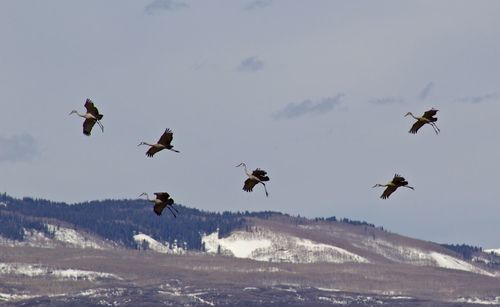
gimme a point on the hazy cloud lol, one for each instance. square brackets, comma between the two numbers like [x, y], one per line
[257, 4]
[294, 110]
[426, 91]
[387, 100]
[478, 99]
[16, 148]
[164, 5]
[251, 64]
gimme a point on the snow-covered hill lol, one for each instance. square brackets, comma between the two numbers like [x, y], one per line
[147, 242]
[276, 241]
[62, 237]
[265, 245]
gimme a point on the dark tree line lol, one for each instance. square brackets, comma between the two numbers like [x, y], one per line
[467, 251]
[116, 220]
[13, 226]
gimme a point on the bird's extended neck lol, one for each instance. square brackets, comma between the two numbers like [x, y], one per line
[411, 114]
[147, 196]
[77, 113]
[144, 143]
[246, 170]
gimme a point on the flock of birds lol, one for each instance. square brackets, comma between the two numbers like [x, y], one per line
[257, 176]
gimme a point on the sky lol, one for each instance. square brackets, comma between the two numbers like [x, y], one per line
[314, 92]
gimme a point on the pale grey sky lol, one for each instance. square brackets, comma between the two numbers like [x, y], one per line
[312, 91]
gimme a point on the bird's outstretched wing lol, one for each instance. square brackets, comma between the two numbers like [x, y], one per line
[87, 126]
[163, 196]
[152, 150]
[399, 180]
[89, 105]
[166, 138]
[158, 208]
[249, 184]
[388, 191]
[417, 125]
[429, 114]
[261, 174]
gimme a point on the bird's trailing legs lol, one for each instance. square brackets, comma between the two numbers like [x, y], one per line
[175, 216]
[407, 186]
[265, 189]
[436, 129]
[100, 125]
[172, 205]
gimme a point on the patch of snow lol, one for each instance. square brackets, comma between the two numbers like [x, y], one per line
[266, 245]
[2, 204]
[479, 301]
[401, 297]
[332, 300]
[33, 238]
[319, 247]
[72, 237]
[170, 290]
[107, 293]
[250, 288]
[480, 259]
[62, 237]
[157, 246]
[34, 270]
[196, 296]
[237, 269]
[240, 245]
[495, 251]
[329, 289]
[449, 262]
[14, 297]
[415, 256]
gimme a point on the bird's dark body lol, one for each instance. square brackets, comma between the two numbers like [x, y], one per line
[89, 123]
[166, 202]
[259, 176]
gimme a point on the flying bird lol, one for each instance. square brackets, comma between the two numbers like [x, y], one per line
[92, 116]
[396, 182]
[427, 118]
[161, 201]
[163, 143]
[255, 177]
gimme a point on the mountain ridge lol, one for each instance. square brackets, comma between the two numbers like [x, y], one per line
[119, 250]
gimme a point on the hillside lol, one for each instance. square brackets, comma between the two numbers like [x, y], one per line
[248, 257]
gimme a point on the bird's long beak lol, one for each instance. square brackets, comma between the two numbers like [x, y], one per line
[375, 186]
[141, 194]
[140, 144]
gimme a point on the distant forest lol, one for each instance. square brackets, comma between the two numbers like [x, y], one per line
[467, 251]
[115, 220]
